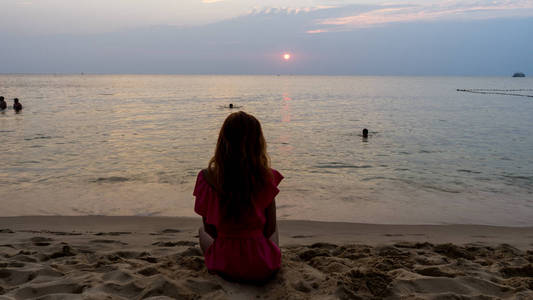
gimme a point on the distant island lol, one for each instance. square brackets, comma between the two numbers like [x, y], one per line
[519, 74]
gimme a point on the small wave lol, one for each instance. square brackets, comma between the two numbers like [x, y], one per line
[40, 137]
[519, 177]
[321, 171]
[105, 94]
[29, 162]
[149, 213]
[426, 151]
[111, 179]
[335, 165]
[427, 186]
[440, 189]
[484, 178]
[374, 178]
[468, 171]
[169, 178]
[437, 188]
[285, 206]
[521, 181]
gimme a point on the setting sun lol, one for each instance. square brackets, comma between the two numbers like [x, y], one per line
[286, 56]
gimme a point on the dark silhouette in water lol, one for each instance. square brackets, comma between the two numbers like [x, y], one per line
[365, 133]
[231, 106]
[519, 74]
[3, 104]
[16, 105]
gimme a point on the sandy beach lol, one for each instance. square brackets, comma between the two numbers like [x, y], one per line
[156, 257]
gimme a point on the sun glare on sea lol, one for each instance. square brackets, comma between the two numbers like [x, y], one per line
[286, 56]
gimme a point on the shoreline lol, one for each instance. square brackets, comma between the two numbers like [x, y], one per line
[291, 231]
[97, 257]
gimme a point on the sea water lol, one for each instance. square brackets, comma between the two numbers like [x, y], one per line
[133, 145]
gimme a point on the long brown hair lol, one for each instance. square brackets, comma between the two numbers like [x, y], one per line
[240, 167]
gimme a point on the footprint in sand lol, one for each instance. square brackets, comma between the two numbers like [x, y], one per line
[61, 232]
[166, 231]
[41, 241]
[171, 230]
[118, 276]
[174, 244]
[150, 271]
[302, 236]
[42, 289]
[103, 241]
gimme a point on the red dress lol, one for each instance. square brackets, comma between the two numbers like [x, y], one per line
[240, 251]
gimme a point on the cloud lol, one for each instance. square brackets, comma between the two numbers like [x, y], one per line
[288, 10]
[316, 31]
[443, 10]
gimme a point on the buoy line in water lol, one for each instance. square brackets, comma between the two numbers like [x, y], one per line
[498, 92]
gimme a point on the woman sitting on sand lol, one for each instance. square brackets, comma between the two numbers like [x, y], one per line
[235, 197]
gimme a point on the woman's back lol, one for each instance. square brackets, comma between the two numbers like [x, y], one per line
[235, 197]
[240, 249]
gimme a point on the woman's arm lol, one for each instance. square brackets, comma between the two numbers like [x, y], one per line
[210, 229]
[271, 226]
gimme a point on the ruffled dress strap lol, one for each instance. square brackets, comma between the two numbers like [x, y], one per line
[271, 190]
[277, 177]
[206, 204]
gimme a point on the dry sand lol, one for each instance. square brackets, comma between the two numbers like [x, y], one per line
[158, 258]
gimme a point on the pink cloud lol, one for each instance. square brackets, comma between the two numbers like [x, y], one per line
[429, 12]
[316, 31]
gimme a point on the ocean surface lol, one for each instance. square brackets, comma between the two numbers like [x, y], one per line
[133, 145]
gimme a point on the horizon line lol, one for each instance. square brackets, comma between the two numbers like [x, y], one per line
[257, 74]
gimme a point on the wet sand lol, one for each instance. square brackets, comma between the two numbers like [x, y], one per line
[141, 257]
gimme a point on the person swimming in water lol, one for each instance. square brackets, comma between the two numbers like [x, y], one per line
[16, 105]
[365, 133]
[3, 104]
[230, 106]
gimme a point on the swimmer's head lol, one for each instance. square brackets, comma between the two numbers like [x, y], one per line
[231, 105]
[365, 132]
[16, 100]
[1, 98]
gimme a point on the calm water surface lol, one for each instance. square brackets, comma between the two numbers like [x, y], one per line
[133, 145]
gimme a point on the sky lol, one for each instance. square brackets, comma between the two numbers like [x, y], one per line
[372, 37]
